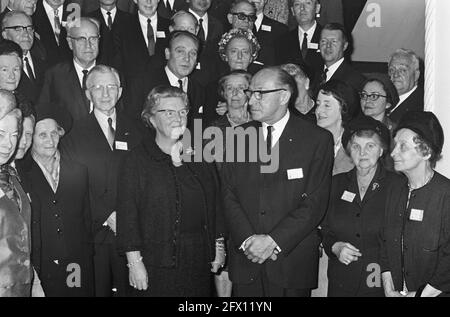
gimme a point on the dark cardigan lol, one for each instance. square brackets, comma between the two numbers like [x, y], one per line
[149, 205]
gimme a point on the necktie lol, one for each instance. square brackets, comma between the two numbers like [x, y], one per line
[85, 72]
[180, 84]
[110, 22]
[305, 45]
[269, 139]
[150, 38]
[201, 31]
[169, 8]
[323, 77]
[29, 70]
[57, 25]
[111, 133]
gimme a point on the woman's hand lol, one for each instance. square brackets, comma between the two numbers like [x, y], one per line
[221, 108]
[138, 276]
[345, 252]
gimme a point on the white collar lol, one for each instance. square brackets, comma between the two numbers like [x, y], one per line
[101, 117]
[278, 128]
[403, 97]
[105, 13]
[204, 17]
[80, 68]
[259, 19]
[310, 32]
[333, 68]
[50, 11]
[144, 19]
[173, 79]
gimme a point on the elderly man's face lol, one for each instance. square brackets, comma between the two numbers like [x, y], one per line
[26, 138]
[402, 74]
[147, 7]
[305, 11]
[185, 22]
[182, 56]
[170, 118]
[332, 46]
[23, 37]
[259, 5]
[27, 6]
[55, 3]
[10, 71]
[9, 135]
[272, 106]
[243, 16]
[83, 41]
[104, 91]
[199, 5]
[46, 138]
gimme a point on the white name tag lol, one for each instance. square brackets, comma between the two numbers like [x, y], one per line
[416, 215]
[266, 28]
[198, 66]
[1, 193]
[348, 196]
[296, 173]
[313, 46]
[123, 146]
[161, 34]
[200, 110]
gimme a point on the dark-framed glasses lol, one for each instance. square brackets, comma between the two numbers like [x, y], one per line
[82, 40]
[101, 88]
[371, 97]
[170, 114]
[258, 94]
[243, 16]
[20, 28]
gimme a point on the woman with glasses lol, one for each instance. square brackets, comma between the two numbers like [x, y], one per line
[378, 96]
[168, 212]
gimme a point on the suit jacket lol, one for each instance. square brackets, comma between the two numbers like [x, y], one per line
[147, 80]
[109, 39]
[288, 50]
[32, 88]
[345, 73]
[178, 5]
[132, 53]
[88, 145]
[62, 88]
[269, 33]
[55, 53]
[414, 102]
[285, 206]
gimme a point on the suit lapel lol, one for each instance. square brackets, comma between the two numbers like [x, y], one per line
[75, 82]
[97, 133]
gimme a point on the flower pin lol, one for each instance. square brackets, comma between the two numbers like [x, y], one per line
[375, 186]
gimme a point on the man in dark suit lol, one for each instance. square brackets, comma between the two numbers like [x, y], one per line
[112, 20]
[209, 32]
[49, 22]
[65, 83]
[18, 27]
[100, 141]
[333, 44]
[268, 32]
[301, 45]
[181, 58]
[166, 8]
[404, 72]
[143, 41]
[273, 214]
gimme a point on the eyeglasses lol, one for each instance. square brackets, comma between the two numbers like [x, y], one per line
[20, 28]
[371, 97]
[243, 16]
[170, 114]
[93, 40]
[101, 88]
[231, 89]
[259, 93]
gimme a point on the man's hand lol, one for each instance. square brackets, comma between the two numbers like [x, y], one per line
[259, 248]
[111, 222]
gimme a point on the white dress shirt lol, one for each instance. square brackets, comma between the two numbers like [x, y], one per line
[102, 120]
[333, 68]
[170, 1]
[173, 79]
[105, 14]
[310, 34]
[143, 23]
[79, 69]
[51, 14]
[30, 61]
[403, 97]
[205, 21]
[278, 128]
[258, 22]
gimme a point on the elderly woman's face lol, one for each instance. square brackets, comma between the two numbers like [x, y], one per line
[46, 138]
[233, 91]
[170, 118]
[238, 54]
[26, 138]
[365, 151]
[405, 154]
[328, 111]
[9, 135]
[370, 107]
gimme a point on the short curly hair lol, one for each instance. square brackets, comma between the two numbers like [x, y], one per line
[238, 34]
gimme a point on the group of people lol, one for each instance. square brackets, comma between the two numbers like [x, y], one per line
[104, 192]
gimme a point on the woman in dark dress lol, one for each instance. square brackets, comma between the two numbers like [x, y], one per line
[355, 215]
[168, 207]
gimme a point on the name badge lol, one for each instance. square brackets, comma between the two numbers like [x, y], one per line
[416, 215]
[198, 66]
[296, 173]
[348, 196]
[200, 110]
[161, 34]
[313, 46]
[266, 28]
[1, 193]
[123, 146]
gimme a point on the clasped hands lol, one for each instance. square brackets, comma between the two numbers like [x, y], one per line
[259, 248]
